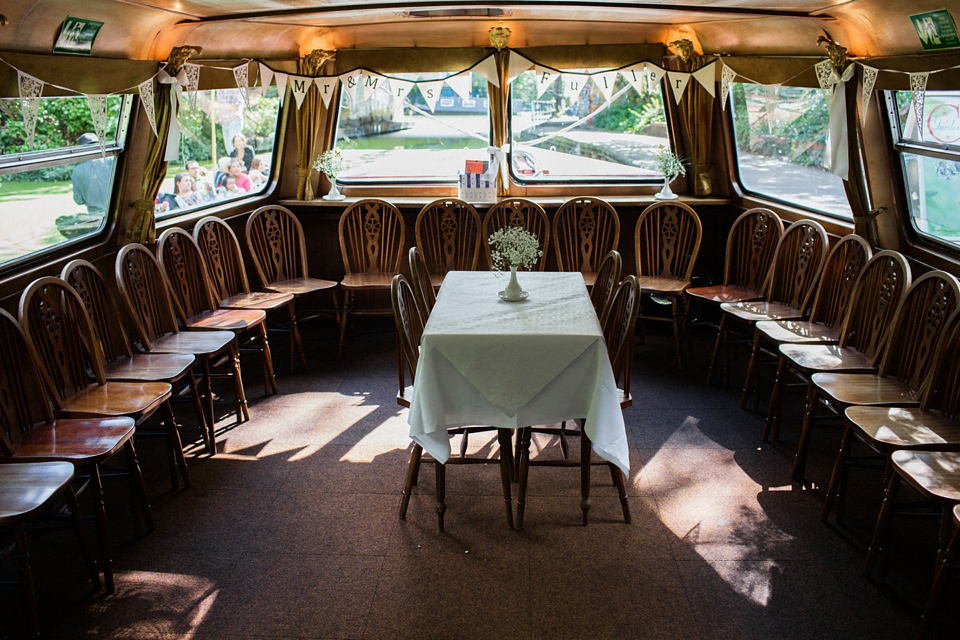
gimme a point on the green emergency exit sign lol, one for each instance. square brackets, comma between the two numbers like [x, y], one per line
[77, 36]
[936, 30]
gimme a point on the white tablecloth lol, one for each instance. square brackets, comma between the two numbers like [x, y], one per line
[484, 361]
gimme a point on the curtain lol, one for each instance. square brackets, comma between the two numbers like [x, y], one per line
[142, 227]
[696, 128]
[498, 110]
[308, 121]
[864, 220]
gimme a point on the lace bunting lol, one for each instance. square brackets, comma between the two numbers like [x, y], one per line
[918, 84]
[869, 80]
[240, 74]
[30, 90]
[149, 103]
[98, 113]
[727, 76]
[192, 72]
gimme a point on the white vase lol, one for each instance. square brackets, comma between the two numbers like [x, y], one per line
[334, 193]
[666, 193]
[513, 290]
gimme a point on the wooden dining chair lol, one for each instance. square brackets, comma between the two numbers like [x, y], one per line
[933, 425]
[409, 325]
[518, 212]
[448, 237]
[372, 239]
[605, 284]
[831, 301]
[946, 562]
[279, 250]
[26, 491]
[666, 242]
[584, 231]
[877, 294]
[196, 304]
[797, 265]
[231, 288]
[146, 293]
[907, 356]
[30, 432]
[422, 285]
[123, 364]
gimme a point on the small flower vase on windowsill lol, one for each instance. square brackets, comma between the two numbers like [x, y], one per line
[671, 166]
[666, 193]
[334, 193]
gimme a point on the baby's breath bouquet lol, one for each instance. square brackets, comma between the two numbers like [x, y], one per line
[330, 163]
[669, 164]
[514, 247]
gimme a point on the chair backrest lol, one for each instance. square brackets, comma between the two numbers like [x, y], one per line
[221, 252]
[61, 338]
[448, 235]
[372, 237]
[104, 314]
[186, 272]
[797, 264]
[146, 292]
[608, 277]
[409, 323]
[919, 321]
[422, 287]
[750, 247]
[941, 389]
[584, 231]
[276, 242]
[518, 212]
[876, 296]
[620, 328]
[667, 240]
[23, 401]
[840, 272]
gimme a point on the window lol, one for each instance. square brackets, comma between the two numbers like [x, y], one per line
[385, 140]
[571, 132]
[226, 149]
[930, 157]
[782, 147]
[60, 189]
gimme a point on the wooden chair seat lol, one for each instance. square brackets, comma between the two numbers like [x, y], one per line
[721, 293]
[258, 300]
[149, 366]
[367, 281]
[134, 399]
[905, 427]
[798, 332]
[866, 389]
[759, 310]
[196, 342]
[662, 286]
[225, 319]
[79, 440]
[808, 358]
[301, 286]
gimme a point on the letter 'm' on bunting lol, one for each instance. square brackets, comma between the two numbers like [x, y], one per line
[544, 78]
[605, 81]
[326, 87]
[678, 82]
[707, 77]
[370, 83]
[431, 92]
[299, 86]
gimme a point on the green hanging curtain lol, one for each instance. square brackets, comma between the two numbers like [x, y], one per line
[864, 220]
[696, 122]
[308, 123]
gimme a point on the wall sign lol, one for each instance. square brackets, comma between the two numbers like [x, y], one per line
[77, 36]
[936, 30]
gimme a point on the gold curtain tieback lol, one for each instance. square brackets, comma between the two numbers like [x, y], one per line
[143, 203]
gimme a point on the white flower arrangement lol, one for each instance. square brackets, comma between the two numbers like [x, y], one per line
[669, 164]
[331, 162]
[514, 247]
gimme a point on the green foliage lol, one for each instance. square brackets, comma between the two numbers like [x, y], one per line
[631, 113]
[741, 119]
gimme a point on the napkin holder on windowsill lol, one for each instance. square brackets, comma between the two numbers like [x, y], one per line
[478, 187]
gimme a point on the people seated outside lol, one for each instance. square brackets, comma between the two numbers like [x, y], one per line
[236, 170]
[223, 169]
[231, 190]
[258, 173]
[183, 197]
[242, 151]
[200, 183]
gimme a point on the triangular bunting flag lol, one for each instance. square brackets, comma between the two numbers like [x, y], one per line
[544, 78]
[707, 77]
[281, 79]
[326, 87]
[678, 82]
[516, 64]
[351, 82]
[30, 90]
[573, 84]
[488, 69]
[266, 76]
[654, 75]
[192, 73]
[461, 84]
[431, 92]
[241, 75]
[299, 85]
[918, 84]
[727, 76]
[826, 76]
[98, 114]
[634, 75]
[147, 100]
[605, 81]
[369, 83]
[868, 81]
[772, 94]
[399, 90]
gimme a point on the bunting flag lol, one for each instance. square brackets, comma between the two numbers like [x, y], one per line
[488, 69]
[431, 92]
[98, 114]
[572, 85]
[299, 86]
[516, 64]
[281, 80]
[707, 77]
[605, 83]
[149, 104]
[868, 81]
[241, 75]
[654, 74]
[826, 76]
[192, 74]
[350, 82]
[326, 87]
[678, 82]
[462, 83]
[918, 84]
[370, 83]
[399, 90]
[772, 93]
[266, 75]
[727, 76]
[30, 90]
[544, 78]
[635, 75]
